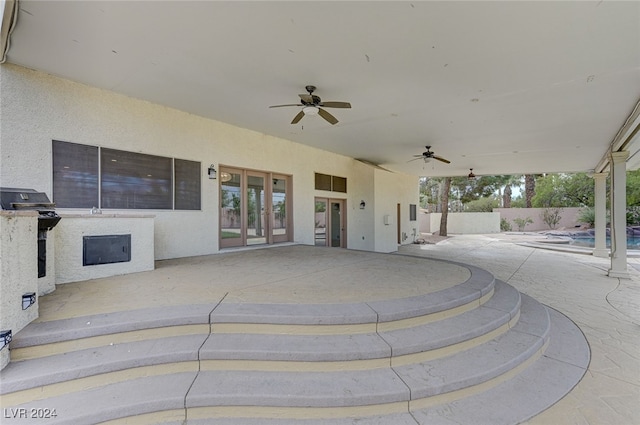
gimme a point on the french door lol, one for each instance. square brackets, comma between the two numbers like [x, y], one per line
[255, 207]
[330, 222]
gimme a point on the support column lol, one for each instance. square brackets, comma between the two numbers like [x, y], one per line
[618, 164]
[600, 210]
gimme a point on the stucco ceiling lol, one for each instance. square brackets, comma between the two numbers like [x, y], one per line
[500, 87]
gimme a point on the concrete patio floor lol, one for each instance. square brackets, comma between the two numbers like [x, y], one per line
[606, 309]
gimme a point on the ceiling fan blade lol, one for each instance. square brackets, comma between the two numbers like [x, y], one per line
[306, 98]
[298, 117]
[336, 104]
[439, 158]
[418, 156]
[290, 104]
[415, 159]
[327, 116]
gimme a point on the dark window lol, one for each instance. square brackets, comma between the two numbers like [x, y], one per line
[331, 183]
[323, 182]
[339, 184]
[135, 180]
[187, 187]
[75, 175]
[412, 212]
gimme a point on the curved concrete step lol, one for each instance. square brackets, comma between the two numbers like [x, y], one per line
[384, 390]
[325, 352]
[384, 362]
[512, 402]
[467, 295]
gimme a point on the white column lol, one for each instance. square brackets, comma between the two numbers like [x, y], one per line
[600, 209]
[618, 166]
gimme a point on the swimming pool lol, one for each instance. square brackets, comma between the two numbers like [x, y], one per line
[632, 243]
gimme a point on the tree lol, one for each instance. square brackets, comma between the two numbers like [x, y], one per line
[633, 188]
[445, 206]
[510, 181]
[564, 190]
[579, 189]
[482, 205]
[549, 192]
[430, 192]
[529, 188]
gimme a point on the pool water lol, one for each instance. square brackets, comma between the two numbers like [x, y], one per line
[632, 243]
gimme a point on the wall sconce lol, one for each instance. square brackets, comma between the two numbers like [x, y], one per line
[5, 338]
[212, 172]
[362, 205]
[28, 300]
[471, 176]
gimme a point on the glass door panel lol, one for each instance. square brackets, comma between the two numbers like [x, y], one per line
[321, 222]
[230, 208]
[336, 224]
[256, 232]
[279, 220]
[254, 207]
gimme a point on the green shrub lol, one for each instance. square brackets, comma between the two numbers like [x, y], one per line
[481, 205]
[633, 216]
[587, 215]
[522, 222]
[505, 226]
[551, 216]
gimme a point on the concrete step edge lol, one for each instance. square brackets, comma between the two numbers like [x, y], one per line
[476, 289]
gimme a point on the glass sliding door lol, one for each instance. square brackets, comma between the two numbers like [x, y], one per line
[255, 208]
[256, 229]
[336, 224]
[330, 223]
[279, 209]
[231, 216]
[321, 222]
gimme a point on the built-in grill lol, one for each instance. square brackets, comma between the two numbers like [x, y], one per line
[28, 199]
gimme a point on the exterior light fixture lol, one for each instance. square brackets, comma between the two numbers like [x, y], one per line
[471, 176]
[362, 205]
[310, 110]
[28, 300]
[5, 338]
[212, 172]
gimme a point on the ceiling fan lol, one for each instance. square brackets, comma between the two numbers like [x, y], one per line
[311, 105]
[427, 155]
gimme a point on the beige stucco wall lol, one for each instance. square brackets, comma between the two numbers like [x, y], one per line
[69, 245]
[18, 271]
[462, 223]
[37, 108]
[569, 218]
[393, 189]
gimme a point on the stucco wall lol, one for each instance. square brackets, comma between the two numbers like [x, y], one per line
[462, 223]
[37, 108]
[569, 218]
[69, 245]
[393, 189]
[18, 271]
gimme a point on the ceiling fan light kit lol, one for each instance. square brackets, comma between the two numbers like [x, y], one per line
[310, 110]
[428, 155]
[311, 105]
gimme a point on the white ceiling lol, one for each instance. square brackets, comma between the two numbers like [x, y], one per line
[500, 87]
